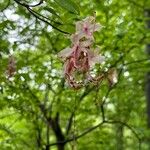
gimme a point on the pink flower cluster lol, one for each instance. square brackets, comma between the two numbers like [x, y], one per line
[80, 57]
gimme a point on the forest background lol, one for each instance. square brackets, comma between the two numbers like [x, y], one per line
[39, 110]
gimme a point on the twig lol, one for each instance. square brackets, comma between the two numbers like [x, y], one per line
[38, 17]
[137, 61]
[28, 5]
[39, 3]
[45, 17]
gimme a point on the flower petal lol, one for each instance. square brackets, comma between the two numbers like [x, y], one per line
[86, 43]
[95, 27]
[65, 53]
[76, 37]
[96, 59]
[79, 26]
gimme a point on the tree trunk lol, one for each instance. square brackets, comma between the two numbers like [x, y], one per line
[54, 123]
[147, 14]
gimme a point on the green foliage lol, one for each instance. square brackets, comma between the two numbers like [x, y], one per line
[68, 5]
[37, 100]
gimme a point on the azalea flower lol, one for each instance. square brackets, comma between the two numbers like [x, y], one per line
[81, 57]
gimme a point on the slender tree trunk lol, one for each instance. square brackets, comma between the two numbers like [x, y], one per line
[54, 123]
[147, 14]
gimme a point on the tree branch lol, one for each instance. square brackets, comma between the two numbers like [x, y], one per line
[28, 5]
[43, 17]
[103, 113]
[37, 16]
[39, 3]
[95, 127]
[137, 61]
[78, 136]
[69, 124]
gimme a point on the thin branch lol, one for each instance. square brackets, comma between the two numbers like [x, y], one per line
[59, 23]
[103, 113]
[106, 96]
[127, 52]
[119, 60]
[28, 5]
[22, 4]
[39, 3]
[95, 127]
[69, 124]
[137, 61]
[38, 17]
[78, 136]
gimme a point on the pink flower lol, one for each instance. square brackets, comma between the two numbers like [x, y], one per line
[87, 27]
[80, 58]
[95, 57]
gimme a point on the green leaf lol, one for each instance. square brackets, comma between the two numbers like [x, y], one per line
[4, 5]
[52, 11]
[68, 5]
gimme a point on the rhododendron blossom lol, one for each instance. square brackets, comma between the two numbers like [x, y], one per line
[81, 56]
